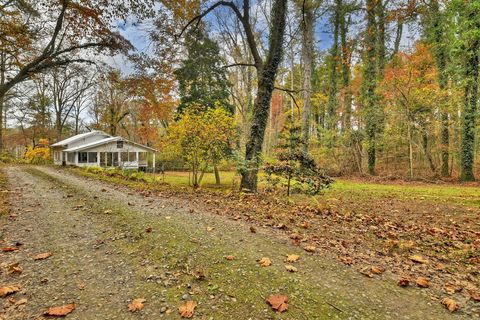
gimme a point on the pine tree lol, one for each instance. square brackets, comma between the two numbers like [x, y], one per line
[202, 77]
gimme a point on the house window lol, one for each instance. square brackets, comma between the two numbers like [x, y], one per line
[120, 144]
[132, 156]
[71, 157]
[82, 157]
[124, 156]
[92, 157]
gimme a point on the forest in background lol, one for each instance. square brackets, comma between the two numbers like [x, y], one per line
[391, 90]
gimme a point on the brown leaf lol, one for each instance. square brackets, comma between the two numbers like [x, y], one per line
[290, 268]
[422, 282]
[5, 291]
[21, 301]
[253, 230]
[403, 282]
[14, 268]
[265, 262]
[60, 311]
[199, 274]
[42, 256]
[450, 304]
[136, 305]
[149, 230]
[377, 270]
[186, 309]
[310, 248]
[9, 249]
[230, 257]
[278, 302]
[418, 259]
[292, 258]
[475, 296]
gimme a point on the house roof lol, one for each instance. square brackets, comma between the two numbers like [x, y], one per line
[77, 137]
[105, 141]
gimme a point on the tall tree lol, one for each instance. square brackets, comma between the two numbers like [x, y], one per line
[369, 84]
[468, 47]
[202, 75]
[266, 73]
[334, 56]
[308, 26]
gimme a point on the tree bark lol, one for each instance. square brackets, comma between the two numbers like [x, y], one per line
[308, 24]
[217, 174]
[369, 86]
[332, 93]
[469, 112]
[346, 57]
[266, 83]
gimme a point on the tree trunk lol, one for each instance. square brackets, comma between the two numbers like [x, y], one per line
[410, 149]
[266, 83]
[332, 94]
[308, 24]
[380, 36]
[369, 85]
[217, 174]
[469, 112]
[440, 52]
[347, 96]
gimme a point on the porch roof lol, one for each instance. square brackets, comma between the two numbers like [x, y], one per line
[105, 141]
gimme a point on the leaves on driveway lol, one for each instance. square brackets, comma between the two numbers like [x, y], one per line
[278, 302]
[186, 309]
[136, 305]
[60, 311]
[5, 291]
[42, 256]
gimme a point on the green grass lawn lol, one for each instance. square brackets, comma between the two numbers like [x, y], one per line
[446, 193]
[451, 193]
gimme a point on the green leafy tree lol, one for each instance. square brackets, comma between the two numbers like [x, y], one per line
[204, 138]
[295, 164]
[202, 76]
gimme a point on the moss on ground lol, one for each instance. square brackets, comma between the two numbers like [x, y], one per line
[232, 289]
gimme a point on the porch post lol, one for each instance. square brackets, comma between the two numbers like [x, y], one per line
[98, 158]
[75, 154]
[153, 164]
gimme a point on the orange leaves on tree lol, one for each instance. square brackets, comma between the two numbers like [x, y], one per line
[278, 302]
[186, 309]
[60, 311]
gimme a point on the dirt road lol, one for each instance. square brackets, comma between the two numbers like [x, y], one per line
[111, 245]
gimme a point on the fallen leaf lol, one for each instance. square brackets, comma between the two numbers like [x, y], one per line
[450, 304]
[107, 211]
[377, 270]
[422, 282]
[278, 302]
[136, 305]
[42, 256]
[403, 282]
[265, 262]
[230, 257]
[186, 309]
[346, 260]
[418, 259]
[210, 229]
[21, 301]
[81, 286]
[292, 257]
[14, 268]
[290, 268]
[60, 311]
[9, 249]
[253, 230]
[199, 274]
[5, 291]
[149, 229]
[475, 296]
[310, 248]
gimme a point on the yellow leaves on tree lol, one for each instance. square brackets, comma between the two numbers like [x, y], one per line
[39, 154]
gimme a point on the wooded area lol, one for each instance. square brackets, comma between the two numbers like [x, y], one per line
[377, 87]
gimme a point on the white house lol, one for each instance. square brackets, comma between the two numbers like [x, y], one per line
[97, 148]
